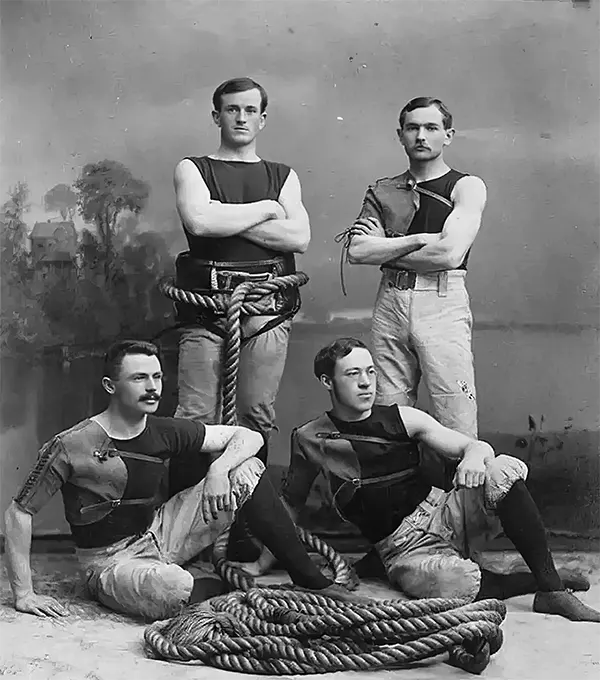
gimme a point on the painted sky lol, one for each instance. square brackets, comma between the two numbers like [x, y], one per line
[132, 81]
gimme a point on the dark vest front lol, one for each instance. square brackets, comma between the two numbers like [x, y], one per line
[373, 468]
[238, 182]
[432, 213]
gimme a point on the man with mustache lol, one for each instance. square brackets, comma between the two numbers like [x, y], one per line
[429, 541]
[130, 540]
[418, 227]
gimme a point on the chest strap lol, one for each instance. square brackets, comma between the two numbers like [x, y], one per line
[104, 505]
[359, 438]
[104, 454]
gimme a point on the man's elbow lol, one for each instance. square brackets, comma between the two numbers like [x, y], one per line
[453, 258]
[356, 254]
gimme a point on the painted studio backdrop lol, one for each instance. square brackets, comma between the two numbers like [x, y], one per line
[94, 90]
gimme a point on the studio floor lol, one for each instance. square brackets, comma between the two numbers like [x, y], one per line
[94, 644]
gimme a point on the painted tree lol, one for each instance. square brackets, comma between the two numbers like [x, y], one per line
[13, 230]
[106, 191]
[62, 199]
[21, 319]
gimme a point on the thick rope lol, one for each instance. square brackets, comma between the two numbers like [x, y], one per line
[280, 631]
[250, 298]
[342, 571]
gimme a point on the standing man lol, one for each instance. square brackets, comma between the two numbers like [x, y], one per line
[244, 220]
[418, 228]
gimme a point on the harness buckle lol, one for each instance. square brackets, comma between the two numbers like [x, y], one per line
[115, 503]
[103, 456]
[228, 279]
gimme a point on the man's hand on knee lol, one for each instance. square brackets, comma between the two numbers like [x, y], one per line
[40, 605]
[217, 496]
[470, 472]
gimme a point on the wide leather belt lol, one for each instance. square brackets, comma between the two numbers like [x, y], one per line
[210, 276]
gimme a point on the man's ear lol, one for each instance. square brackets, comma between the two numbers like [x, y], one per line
[216, 116]
[449, 136]
[108, 385]
[326, 382]
[263, 120]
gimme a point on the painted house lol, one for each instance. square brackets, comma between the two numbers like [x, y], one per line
[53, 248]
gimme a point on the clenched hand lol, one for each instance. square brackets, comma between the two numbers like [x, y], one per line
[470, 472]
[367, 226]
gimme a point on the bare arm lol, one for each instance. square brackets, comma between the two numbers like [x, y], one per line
[18, 525]
[204, 217]
[447, 250]
[288, 235]
[370, 245]
[235, 445]
[474, 455]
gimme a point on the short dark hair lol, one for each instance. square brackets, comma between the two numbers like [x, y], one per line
[423, 103]
[117, 351]
[239, 85]
[327, 356]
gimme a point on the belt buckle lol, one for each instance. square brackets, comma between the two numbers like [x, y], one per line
[227, 279]
[404, 279]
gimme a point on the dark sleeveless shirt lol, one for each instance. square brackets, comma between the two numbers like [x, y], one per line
[237, 182]
[378, 509]
[431, 215]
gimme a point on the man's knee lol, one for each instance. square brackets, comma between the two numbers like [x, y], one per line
[440, 575]
[245, 477]
[501, 474]
[156, 591]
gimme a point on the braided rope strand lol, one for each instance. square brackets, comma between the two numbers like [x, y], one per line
[244, 632]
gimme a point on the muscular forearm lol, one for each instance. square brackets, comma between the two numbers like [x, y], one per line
[475, 448]
[435, 256]
[381, 249]
[218, 220]
[284, 235]
[18, 548]
[244, 444]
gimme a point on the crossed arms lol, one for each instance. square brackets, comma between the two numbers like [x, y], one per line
[424, 252]
[280, 225]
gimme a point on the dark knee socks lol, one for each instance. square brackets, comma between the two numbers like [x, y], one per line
[271, 523]
[241, 547]
[523, 525]
[503, 586]
[205, 588]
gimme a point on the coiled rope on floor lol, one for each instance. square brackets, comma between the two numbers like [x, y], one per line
[282, 631]
[251, 298]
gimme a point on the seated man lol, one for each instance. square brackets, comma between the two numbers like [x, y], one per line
[429, 540]
[111, 469]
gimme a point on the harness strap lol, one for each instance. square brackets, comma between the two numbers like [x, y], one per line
[104, 454]
[117, 503]
[358, 438]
